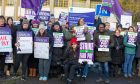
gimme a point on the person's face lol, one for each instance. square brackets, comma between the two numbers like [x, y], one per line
[49, 24]
[10, 22]
[35, 25]
[25, 26]
[107, 26]
[56, 27]
[101, 28]
[74, 45]
[1, 21]
[41, 31]
[117, 33]
[131, 30]
[81, 22]
[52, 20]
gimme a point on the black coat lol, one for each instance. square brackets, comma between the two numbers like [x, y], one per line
[117, 55]
[138, 46]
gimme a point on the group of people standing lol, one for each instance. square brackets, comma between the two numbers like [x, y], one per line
[116, 59]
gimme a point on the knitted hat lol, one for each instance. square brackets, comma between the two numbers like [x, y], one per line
[41, 26]
[25, 21]
[35, 22]
[73, 41]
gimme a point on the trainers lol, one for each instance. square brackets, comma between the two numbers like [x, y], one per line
[40, 78]
[45, 78]
[125, 75]
[99, 80]
[130, 75]
[107, 81]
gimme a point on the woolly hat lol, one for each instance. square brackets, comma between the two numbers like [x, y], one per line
[73, 41]
[41, 26]
[25, 21]
[35, 22]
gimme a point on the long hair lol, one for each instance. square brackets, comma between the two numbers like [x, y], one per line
[39, 34]
[2, 17]
[9, 19]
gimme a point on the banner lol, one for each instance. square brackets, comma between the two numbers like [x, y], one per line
[126, 21]
[58, 39]
[5, 40]
[41, 47]
[86, 52]
[80, 33]
[132, 38]
[104, 43]
[9, 58]
[101, 12]
[43, 15]
[25, 42]
[91, 30]
[76, 13]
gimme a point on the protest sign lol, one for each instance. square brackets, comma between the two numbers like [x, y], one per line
[41, 47]
[63, 17]
[86, 52]
[113, 26]
[5, 39]
[101, 12]
[58, 39]
[91, 30]
[9, 58]
[104, 43]
[79, 33]
[126, 21]
[138, 26]
[131, 38]
[43, 15]
[76, 13]
[25, 41]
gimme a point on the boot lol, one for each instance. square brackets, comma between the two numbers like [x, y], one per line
[34, 72]
[30, 72]
[138, 72]
[7, 73]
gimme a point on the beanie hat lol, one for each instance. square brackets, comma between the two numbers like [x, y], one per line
[41, 26]
[25, 21]
[35, 22]
[73, 40]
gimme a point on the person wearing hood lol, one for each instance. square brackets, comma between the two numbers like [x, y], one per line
[58, 47]
[3, 27]
[103, 56]
[33, 62]
[22, 57]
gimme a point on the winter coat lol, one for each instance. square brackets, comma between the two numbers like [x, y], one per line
[101, 56]
[117, 55]
[129, 49]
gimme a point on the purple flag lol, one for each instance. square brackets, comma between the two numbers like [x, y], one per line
[113, 6]
[31, 4]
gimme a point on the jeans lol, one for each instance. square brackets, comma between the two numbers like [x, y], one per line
[128, 63]
[85, 70]
[24, 59]
[44, 67]
[103, 70]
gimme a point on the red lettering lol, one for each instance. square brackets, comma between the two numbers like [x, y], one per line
[3, 38]
[4, 43]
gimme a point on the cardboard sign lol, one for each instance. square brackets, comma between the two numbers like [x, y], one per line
[58, 39]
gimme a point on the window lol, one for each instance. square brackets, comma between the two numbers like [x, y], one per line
[0, 2]
[94, 2]
[61, 3]
[46, 3]
[79, 3]
[9, 2]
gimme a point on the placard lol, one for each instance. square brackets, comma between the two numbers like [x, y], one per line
[131, 38]
[91, 30]
[9, 58]
[58, 39]
[126, 21]
[80, 33]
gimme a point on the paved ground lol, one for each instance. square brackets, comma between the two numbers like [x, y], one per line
[90, 80]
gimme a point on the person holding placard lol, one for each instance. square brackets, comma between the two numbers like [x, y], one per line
[44, 62]
[130, 51]
[138, 53]
[103, 42]
[5, 43]
[33, 62]
[24, 47]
